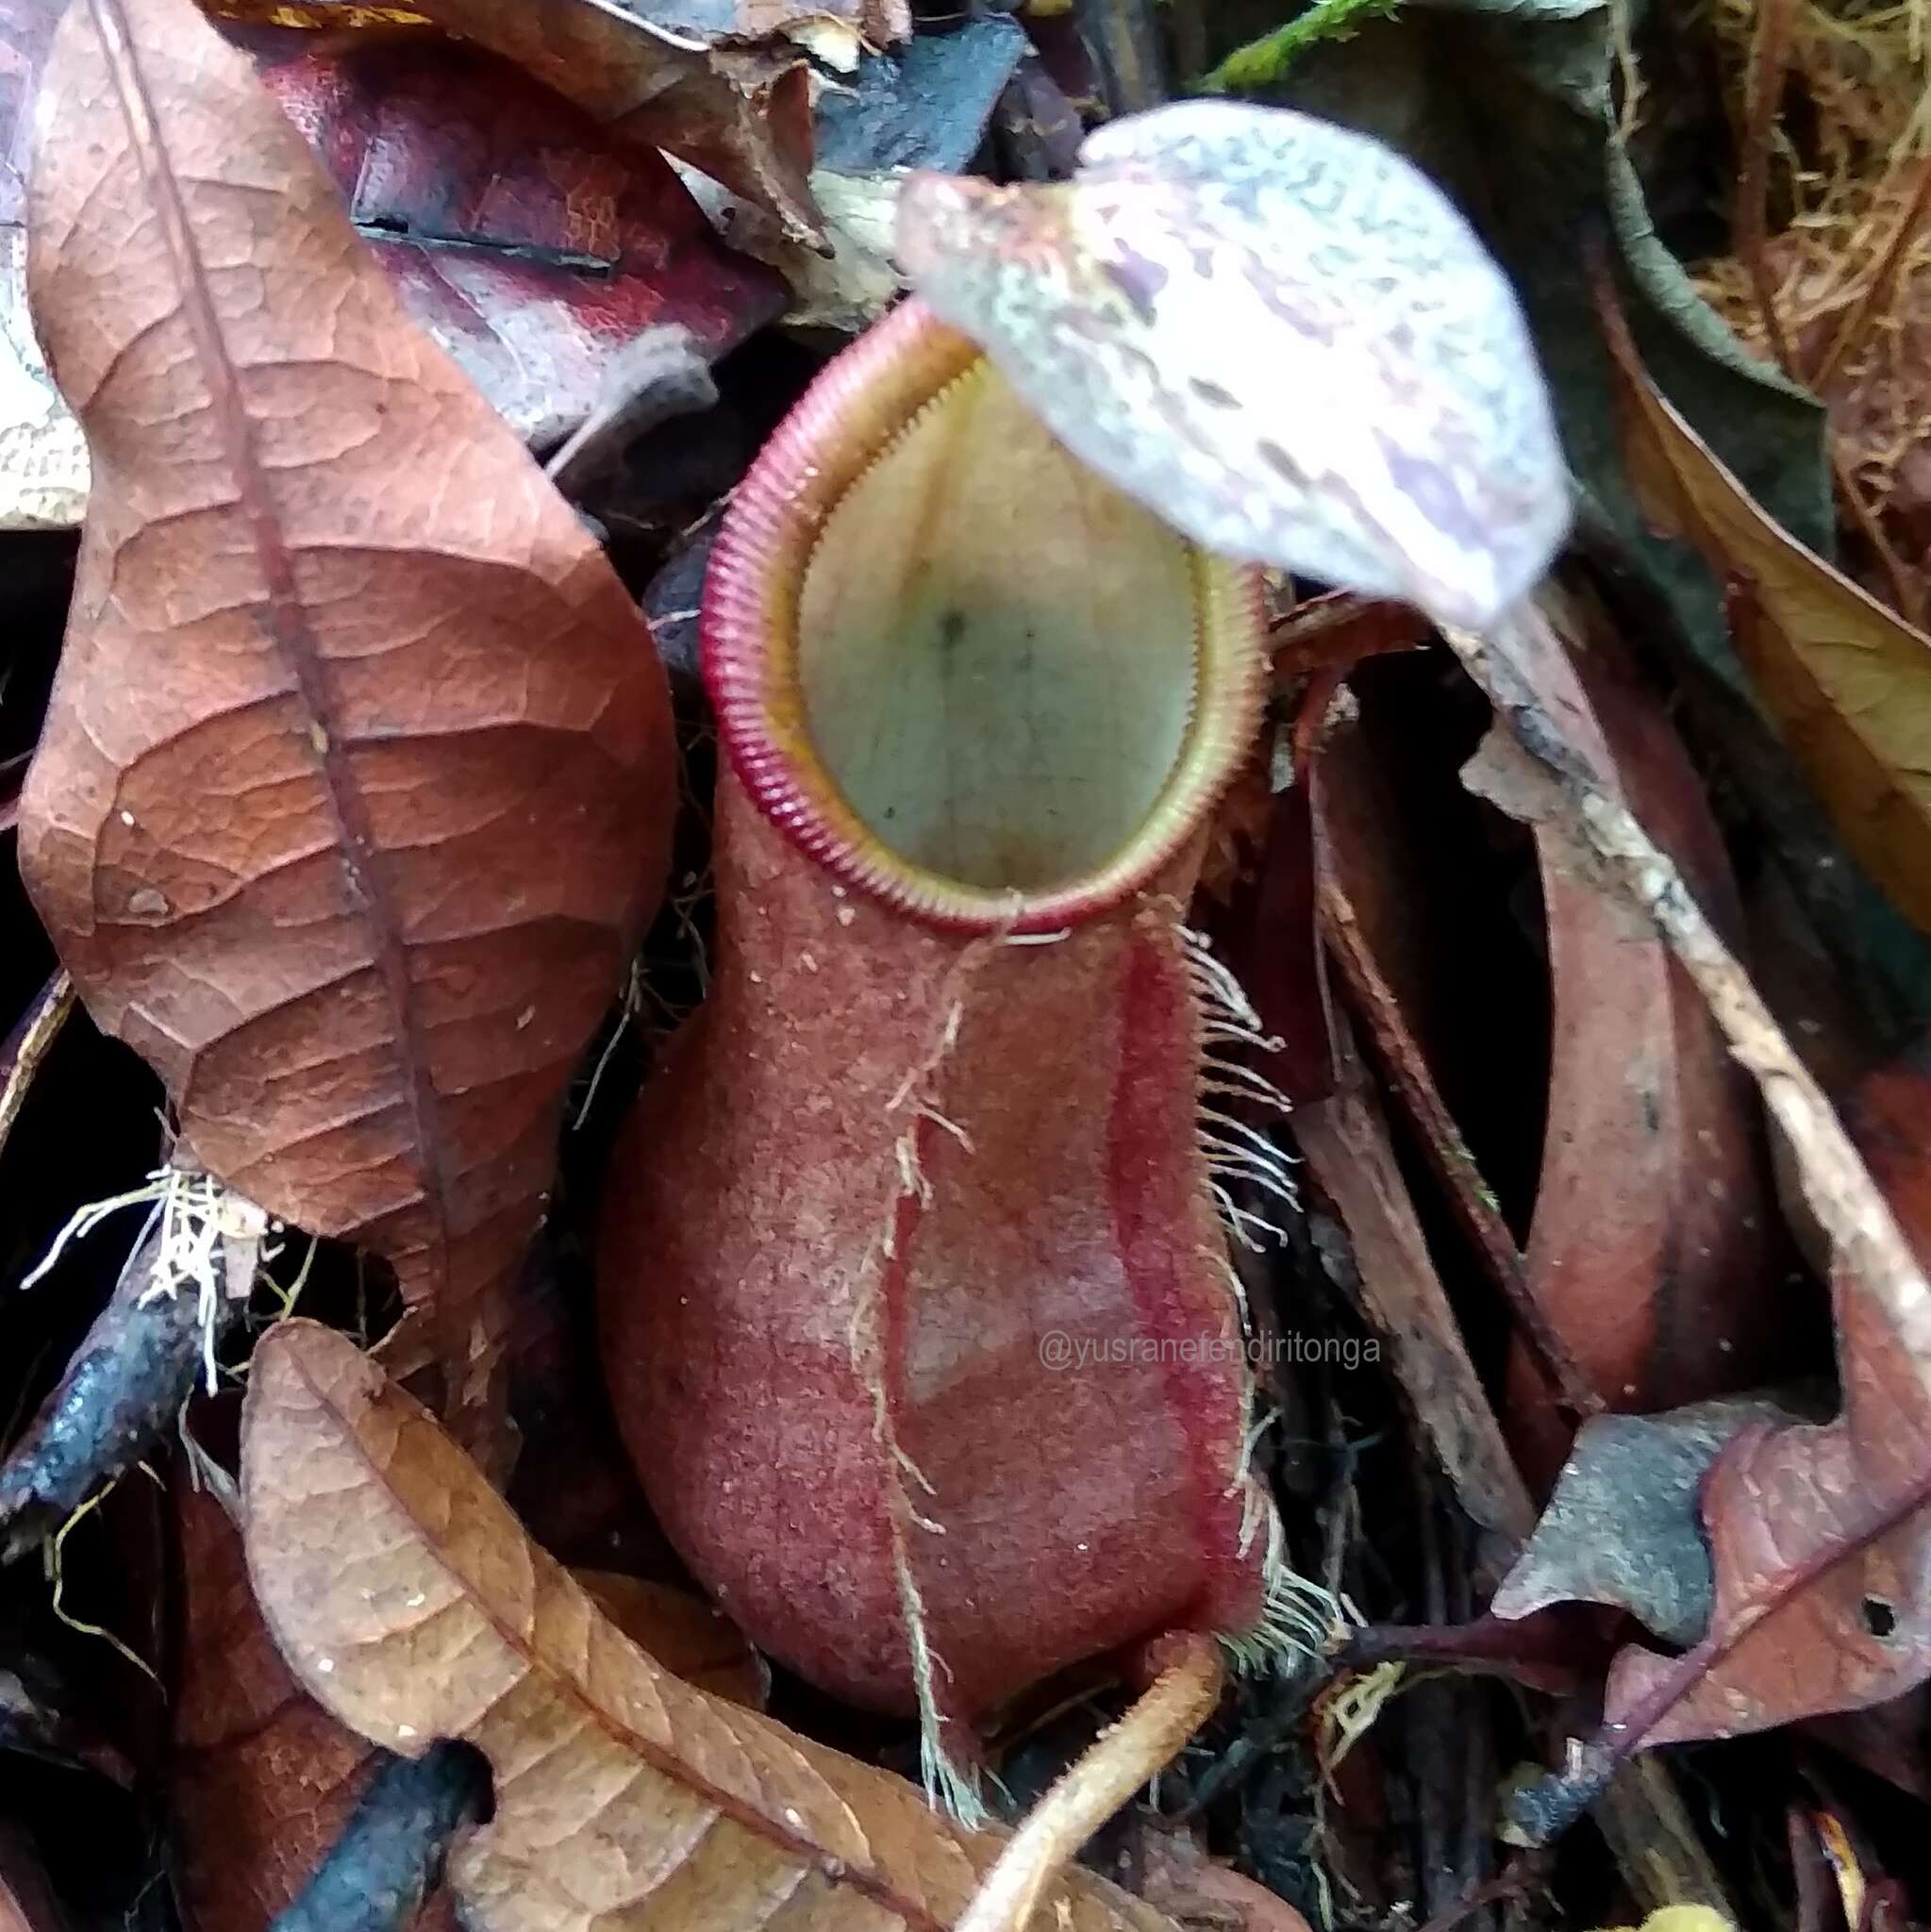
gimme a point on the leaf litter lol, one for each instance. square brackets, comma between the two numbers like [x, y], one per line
[358, 778]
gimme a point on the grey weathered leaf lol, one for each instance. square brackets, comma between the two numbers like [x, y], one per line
[1276, 333]
[1622, 1527]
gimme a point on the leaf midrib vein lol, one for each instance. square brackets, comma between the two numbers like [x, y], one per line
[665, 1764]
[289, 630]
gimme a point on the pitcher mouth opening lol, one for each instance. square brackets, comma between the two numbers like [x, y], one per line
[955, 667]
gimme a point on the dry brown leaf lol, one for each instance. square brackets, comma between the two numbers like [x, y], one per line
[1344, 1139]
[683, 1633]
[263, 1780]
[260, 1780]
[1818, 1602]
[1647, 1248]
[357, 775]
[721, 84]
[1821, 1535]
[407, 1599]
[1848, 682]
[526, 241]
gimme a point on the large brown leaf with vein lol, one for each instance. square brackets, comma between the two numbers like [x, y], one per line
[262, 1780]
[357, 779]
[408, 1602]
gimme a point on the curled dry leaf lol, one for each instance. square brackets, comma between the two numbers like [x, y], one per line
[1848, 682]
[721, 84]
[356, 776]
[1647, 1248]
[408, 1602]
[1374, 901]
[1802, 1522]
[1277, 334]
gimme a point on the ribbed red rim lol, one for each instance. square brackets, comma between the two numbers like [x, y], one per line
[839, 427]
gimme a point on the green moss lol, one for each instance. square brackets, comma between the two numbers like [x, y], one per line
[1264, 63]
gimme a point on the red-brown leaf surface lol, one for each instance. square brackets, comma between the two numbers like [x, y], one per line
[356, 776]
[527, 241]
[1640, 1275]
[1647, 1249]
[263, 1778]
[407, 1600]
[1819, 1534]
[719, 86]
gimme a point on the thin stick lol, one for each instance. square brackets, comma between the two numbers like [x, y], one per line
[1835, 1183]
[37, 1038]
[1513, 1879]
[1115, 1766]
[1877, 290]
[1769, 55]
[1906, 593]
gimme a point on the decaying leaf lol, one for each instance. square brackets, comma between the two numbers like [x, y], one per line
[1622, 1526]
[260, 1780]
[1372, 874]
[1345, 1141]
[1276, 333]
[407, 1601]
[357, 778]
[1847, 680]
[925, 107]
[267, 1788]
[721, 84]
[1648, 1246]
[531, 246]
[1821, 1535]
[1638, 1285]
